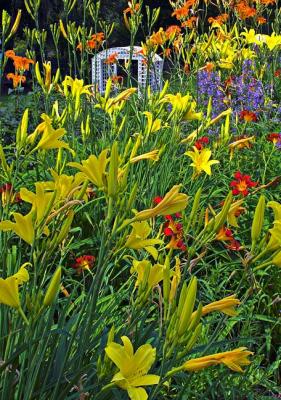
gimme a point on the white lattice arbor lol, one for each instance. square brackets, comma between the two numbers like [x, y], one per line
[101, 70]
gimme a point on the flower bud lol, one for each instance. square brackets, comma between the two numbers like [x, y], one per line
[53, 288]
[258, 220]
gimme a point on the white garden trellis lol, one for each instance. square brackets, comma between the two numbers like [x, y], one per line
[102, 71]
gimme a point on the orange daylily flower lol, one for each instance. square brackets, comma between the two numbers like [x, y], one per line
[190, 22]
[172, 31]
[261, 20]
[244, 10]
[112, 59]
[17, 79]
[274, 137]
[219, 20]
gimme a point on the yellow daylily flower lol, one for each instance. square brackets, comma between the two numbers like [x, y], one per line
[73, 89]
[235, 210]
[183, 106]
[111, 105]
[244, 142]
[40, 200]
[276, 207]
[234, 360]
[201, 160]
[65, 186]
[148, 275]
[50, 140]
[191, 114]
[9, 287]
[277, 260]
[94, 168]
[23, 226]
[251, 37]
[138, 238]
[133, 367]
[275, 238]
[50, 136]
[225, 306]
[172, 203]
[48, 83]
[248, 54]
[152, 155]
[153, 125]
[76, 87]
[273, 41]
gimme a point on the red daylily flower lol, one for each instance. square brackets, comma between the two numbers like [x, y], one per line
[274, 137]
[83, 263]
[224, 234]
[234, 245]
[157, 200]
[248, 116]
[241, 184]
[174, 231]
[199, 144]
[7, 194]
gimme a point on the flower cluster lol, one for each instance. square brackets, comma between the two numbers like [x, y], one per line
[247, 92]
[21, 65]
[210, 85]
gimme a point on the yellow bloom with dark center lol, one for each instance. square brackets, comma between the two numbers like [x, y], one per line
[133, 367]
[9, 287]
[201, 160]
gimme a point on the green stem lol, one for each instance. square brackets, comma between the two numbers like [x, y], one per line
[22, 314]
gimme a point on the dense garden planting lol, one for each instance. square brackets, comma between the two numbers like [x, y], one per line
[140, 228]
